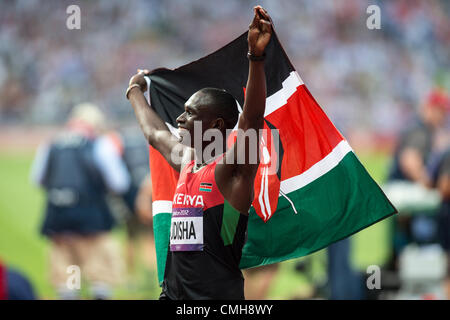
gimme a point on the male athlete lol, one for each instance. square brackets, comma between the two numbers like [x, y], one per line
[213, 198]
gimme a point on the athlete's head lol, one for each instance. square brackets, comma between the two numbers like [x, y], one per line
[213, 108]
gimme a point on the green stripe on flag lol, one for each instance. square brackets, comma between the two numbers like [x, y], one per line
[340, 203]
[161, 230]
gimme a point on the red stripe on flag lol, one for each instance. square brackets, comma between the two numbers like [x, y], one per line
[305, 132]
[164, 177]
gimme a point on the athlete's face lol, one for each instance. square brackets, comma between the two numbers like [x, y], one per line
[195, 110]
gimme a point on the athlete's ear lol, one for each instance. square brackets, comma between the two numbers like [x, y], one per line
[219, 124]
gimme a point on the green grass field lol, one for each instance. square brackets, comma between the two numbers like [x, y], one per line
[21, 245]
[20, 206]
[369, 246]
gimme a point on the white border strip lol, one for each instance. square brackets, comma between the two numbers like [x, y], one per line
[318, 169]
[161, 206]
[173, 130]
[279, 98]
[147, 93]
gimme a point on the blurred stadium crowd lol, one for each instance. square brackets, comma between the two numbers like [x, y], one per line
[362, 78]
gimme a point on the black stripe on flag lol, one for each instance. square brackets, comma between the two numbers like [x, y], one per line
[226, 68]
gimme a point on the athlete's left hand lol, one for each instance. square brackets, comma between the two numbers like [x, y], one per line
[259, 32]
[138, 78]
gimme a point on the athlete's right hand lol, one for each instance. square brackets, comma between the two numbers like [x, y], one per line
[138, 78]
[259, 31]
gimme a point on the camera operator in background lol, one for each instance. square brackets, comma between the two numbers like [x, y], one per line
[76, 170]
[409, 179]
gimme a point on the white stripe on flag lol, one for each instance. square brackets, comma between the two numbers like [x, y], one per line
[147, 93]
[279, 98]
[173, 130]
[161, 206]
[330, 161]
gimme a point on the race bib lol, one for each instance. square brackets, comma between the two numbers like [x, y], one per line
[186, 231]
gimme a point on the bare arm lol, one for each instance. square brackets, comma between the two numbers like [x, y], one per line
[235, 180]
[155, 130]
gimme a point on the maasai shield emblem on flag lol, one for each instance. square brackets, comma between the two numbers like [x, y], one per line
[318, 193]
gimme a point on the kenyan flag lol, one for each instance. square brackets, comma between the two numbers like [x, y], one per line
[320, 192]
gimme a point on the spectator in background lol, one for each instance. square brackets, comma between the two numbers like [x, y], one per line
[14, 285]
[76, 169]
[258, 281]
[344, 283]
[410, 164]
[134, 206]
[145, 214]
[415, 145]
[440, 174]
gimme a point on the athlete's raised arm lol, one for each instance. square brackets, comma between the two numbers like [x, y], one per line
[153, 127]
[235, 178]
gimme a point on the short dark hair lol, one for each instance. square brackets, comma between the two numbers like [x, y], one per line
[224, 105]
